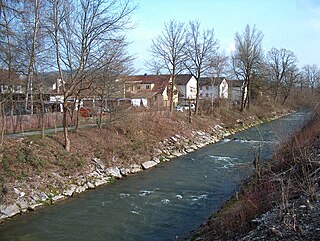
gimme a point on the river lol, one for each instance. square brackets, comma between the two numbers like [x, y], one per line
[162, 203]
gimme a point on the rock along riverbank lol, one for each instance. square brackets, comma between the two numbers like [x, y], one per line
[33, 193]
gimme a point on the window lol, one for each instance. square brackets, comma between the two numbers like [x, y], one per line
[207, 87]
[147, 87]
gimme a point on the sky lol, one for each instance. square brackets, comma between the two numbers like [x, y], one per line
[289, 24]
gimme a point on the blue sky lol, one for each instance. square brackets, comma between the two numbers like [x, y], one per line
[290, 24]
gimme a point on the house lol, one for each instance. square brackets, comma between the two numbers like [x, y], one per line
[12, 92]
[214, 88]
[150, 90]
[14, 85]
[57, 86]
[187, 86]
[221, 88]
[235, 90]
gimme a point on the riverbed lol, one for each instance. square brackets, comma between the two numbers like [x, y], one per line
[162, 203]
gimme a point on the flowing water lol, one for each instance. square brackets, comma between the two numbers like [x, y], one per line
[159, 204]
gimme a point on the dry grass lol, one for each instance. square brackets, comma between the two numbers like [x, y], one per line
[127, 141]
[292, 172]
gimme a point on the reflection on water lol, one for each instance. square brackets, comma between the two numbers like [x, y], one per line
[158, 204]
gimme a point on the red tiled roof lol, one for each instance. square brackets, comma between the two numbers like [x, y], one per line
[160, 81]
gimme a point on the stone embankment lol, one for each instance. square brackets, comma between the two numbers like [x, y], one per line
[34, 192]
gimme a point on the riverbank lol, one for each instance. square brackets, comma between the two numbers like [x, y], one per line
[37, 172]
[280, 201]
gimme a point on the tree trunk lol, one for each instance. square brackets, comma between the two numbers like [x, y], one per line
[190, 112]
[101, 112]
[42, 115]
[248, 98]
[243, 96]
[77, 114]
[65, 128]
[275, 94]
[173, 78]
[2, 131]
[197, 95]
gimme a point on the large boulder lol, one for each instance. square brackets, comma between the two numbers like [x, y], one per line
[9, 211]
[81, 189]
[57, 198]
[174, 139]
[148, 164]
[38, 196]
[22, 204]
[157, 160]
[124, 171]
[101, 181]
[70, 190]
[91, 185]
[134, 168]
[99, 165]
[113, 172]
[34, 206]
[176, 153]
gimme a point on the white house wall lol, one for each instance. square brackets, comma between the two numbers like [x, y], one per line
[223, 89]
[166, 97]
[191, 88]
[209, 92]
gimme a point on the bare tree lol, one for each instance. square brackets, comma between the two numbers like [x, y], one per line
[217, 67]
[167, 51]
[80, 32]
[246, 61]
[154, 66]
[302, 83]
[290, 79]
[201, 48]
[7, 66]
[116, 63]
[30, 42]
[280, 63]
[9, 56]
[311, 73]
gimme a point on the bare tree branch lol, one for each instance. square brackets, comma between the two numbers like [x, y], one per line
[167, 51]
[246, 61]
[201, 49]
